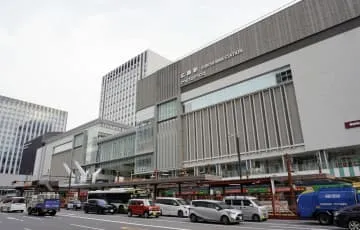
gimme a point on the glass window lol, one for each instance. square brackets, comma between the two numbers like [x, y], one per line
[167, 110]
[240, 89]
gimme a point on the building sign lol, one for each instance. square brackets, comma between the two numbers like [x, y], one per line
[200, 71]
[352, 124]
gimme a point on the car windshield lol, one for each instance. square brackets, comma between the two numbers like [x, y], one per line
[255, 201]
[223, 205]
[102, 202]
[182, 202]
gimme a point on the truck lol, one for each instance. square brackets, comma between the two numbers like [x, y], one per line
[322, 204]
[42, 199]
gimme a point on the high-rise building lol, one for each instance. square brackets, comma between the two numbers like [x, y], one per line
[118, 91]
[21, 121]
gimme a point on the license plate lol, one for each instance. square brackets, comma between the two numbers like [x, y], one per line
[111, 210]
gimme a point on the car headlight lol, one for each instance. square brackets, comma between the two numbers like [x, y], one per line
[336, 213]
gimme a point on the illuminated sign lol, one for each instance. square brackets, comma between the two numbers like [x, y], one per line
[197, 72]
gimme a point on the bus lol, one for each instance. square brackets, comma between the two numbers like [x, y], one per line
[118, 196]
[7, 192]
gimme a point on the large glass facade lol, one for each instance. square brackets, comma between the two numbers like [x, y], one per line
[240, 89]
[145, 137]
[20, 122]
[167, 110]
[118, 148]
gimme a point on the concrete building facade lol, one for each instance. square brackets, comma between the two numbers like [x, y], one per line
[118, 90]
[72, 153]
[286, 84]
[20, 122]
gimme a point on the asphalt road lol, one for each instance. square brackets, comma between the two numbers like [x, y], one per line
[78, 220]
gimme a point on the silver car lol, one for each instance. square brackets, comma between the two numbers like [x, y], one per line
[214, 211]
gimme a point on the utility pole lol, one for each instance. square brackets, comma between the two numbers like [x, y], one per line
[290, 182]
[239, 161]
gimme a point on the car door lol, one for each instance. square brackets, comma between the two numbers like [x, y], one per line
[247, 209]
[213, 212]
[92, 205]
[173, 207]
[201, 208]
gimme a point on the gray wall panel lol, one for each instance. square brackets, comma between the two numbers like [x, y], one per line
[223, 133]
[207, 133]
[249, 124]
[199, 135]
[240, 126]
[271, 127]
[259, 121]
[280, 113]
[294, 114]
[214, 132]
[192, 147]
[230, 123]
[185, 132]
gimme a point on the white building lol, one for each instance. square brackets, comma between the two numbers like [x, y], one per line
[118, 91]
[71, 151]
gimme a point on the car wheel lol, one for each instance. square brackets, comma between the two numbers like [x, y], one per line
[121, 209]
[225, 220]
[53, 213]
[129, 213]
[180, 213]
[354, 225]
[86, 210]
[324, 219]
[29, 211]
[146, 215]
[193, 218]
[256, 218]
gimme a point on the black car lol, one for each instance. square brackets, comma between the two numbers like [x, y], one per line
[348, 217]
[99, 206]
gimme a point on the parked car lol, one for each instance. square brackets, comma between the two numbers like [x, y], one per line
[348, 217]
[173, 206]
[214, 211]
[99, 206]
[74, 204]
[250, 207]
[143, 207]
[13, 204]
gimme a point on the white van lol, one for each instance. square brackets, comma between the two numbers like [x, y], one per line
[173, 206]
[250, 207]
[13, 204]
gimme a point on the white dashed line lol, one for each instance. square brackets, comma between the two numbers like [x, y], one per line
[127, 223]
[12, 218]
[27, 229]
[87, 227]
[33, 218]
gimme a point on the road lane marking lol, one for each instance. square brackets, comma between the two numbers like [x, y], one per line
[128, 223]
[83, 226]
[12, 218]
[33, 218]
[27, 229]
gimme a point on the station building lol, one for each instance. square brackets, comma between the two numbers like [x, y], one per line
[286, 84]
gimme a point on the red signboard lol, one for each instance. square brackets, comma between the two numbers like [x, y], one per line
[352, 124]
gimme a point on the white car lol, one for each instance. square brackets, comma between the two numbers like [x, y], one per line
[172, 206]
[13, 204]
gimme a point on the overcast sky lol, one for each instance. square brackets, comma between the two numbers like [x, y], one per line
[54, 52]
